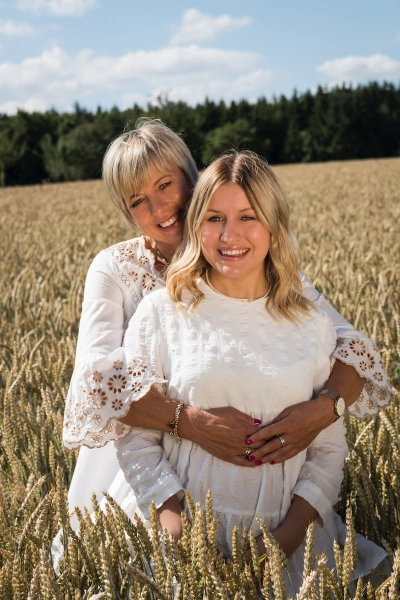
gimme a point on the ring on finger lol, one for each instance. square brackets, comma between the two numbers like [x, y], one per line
[282, 440]
[247, 452]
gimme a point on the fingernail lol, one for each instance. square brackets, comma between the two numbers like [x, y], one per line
[248, 442]
[252, 457]
[259, 461]
[257, 421]
[272, 462]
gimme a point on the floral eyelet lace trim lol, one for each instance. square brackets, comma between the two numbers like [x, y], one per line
[364, 356]
[92, 420]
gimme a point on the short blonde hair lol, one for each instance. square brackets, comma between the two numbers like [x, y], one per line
[128, 159]
[270, 204]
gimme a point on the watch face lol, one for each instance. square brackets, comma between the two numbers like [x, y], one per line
[340, 406]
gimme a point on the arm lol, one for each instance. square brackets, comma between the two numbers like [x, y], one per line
[363, 393]
[100, 403]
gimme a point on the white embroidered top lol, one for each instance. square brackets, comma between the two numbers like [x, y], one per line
[101, 385]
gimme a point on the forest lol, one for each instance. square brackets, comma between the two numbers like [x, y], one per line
[342, 123]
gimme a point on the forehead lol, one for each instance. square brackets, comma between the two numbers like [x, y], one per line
[229, 196]
[148, 176]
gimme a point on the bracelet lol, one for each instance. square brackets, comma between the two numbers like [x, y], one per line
[174, 423]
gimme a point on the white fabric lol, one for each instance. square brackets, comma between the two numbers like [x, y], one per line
[100, 390]
[230, 353]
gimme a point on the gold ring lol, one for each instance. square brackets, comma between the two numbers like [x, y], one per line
[282, 440]
[247, 452]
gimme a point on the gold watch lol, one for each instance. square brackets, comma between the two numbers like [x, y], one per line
[340, 404]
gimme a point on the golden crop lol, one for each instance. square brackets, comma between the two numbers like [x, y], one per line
[346, 217]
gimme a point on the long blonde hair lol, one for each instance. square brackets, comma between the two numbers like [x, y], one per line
[128, 161]
[270, 204]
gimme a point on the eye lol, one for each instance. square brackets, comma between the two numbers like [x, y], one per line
[215, 219]
[136, 203]
[248, 218]
[165, 185]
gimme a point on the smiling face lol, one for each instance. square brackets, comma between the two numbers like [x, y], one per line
[235, 243]
[158, 208]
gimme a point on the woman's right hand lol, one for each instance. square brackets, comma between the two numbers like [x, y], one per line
[220, 431]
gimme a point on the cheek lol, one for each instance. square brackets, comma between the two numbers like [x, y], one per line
[207, 239]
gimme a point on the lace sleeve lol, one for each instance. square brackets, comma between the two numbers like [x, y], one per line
[104, 382]
[356, 349]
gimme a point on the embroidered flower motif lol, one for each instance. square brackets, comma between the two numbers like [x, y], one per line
[378, 376]
[108, 428]
[340, 342]
[97, 398]
[119, 429]
[369, 387]
[143, 259]
[118, 365]
[136, 368]
[363, 365]
[357, 346]
[343, 353]
[136, 387]
[370, 404]
[96, 439]
[127, 252]
[117, 383]
[97, 376]
[382, 395]
[81, 413]
[148, 282]
[371, 361]
[133, 275]
[76, 430]
[95, 419]
[116, 404]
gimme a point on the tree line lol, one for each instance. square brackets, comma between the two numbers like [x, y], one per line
[331, 124]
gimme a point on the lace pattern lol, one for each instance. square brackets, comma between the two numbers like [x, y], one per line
[362, 354]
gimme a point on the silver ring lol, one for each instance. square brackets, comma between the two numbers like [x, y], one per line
[282, 440]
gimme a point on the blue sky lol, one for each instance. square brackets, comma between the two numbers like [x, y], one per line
[98, 52]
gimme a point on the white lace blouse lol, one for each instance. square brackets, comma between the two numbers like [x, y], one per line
[101, 386]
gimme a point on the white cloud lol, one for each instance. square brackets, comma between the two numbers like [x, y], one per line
[360, 69]
[59, 8]
[197, 26]
[14, 29]
[56, 78]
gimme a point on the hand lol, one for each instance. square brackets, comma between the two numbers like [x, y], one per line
[299, 425]
[221, 431]
[170, 518]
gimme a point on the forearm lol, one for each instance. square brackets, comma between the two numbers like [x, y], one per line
[292, 530]
[169, 515]
[344, 380]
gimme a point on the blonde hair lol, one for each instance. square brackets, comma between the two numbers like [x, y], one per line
[270, 204]
[128, 160]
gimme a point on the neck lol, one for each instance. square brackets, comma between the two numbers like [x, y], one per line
[166, 251]
[249, 287]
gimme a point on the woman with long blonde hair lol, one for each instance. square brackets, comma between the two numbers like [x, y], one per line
[232, 328]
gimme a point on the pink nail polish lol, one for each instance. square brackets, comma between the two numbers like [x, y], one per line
[248, 442]
[259, 462]
[257, 421]
[252, 457]
[272, 462]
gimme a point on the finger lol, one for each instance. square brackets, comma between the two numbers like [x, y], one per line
[241, 461]
[279, 456]
[266, 449]
[268, 432]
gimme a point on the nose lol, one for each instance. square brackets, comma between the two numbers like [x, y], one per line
[157, 204]
[230, 232]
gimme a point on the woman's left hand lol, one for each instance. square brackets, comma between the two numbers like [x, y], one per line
[297, 425]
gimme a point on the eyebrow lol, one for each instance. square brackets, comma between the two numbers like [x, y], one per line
[218, 211]
[155, 183]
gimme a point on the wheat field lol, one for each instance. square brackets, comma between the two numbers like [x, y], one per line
[346, 217]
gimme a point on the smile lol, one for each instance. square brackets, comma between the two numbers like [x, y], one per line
[233, 252]
[170, 221]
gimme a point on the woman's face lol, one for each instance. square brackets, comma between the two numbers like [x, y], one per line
[159, 207]
[233, 240]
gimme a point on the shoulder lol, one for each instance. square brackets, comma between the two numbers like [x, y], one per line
[308, 289]
[325, 327]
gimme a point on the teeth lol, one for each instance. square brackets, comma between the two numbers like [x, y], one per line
[233, 252]
[171, 221]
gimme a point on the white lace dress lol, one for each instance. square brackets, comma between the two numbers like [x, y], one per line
[101, 385]
[232, 353]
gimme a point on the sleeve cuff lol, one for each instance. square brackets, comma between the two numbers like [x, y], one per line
[313, 494]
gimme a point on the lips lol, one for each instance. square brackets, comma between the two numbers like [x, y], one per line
[241, 252]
